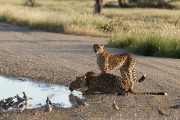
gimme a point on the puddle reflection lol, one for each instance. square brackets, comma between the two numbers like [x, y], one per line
[58, 94]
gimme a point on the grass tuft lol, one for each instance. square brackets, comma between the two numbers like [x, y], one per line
[151, 32]
[150, 46]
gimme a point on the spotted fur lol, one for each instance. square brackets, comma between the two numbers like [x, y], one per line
[105, 83]
[107, 61]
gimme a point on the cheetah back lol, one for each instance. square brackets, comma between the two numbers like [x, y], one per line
[104, 82]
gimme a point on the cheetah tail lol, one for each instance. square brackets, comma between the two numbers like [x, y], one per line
[149, 93]
[142, 78]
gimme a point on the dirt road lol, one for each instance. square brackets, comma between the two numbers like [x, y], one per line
[59, 58]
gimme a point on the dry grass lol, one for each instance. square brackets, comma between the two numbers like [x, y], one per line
[77, 17]
[50, 20]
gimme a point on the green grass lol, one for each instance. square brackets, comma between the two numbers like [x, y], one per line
[133, 29]
[150, 46]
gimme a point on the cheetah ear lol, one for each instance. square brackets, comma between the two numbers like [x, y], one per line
[83, 78]
[102, 45]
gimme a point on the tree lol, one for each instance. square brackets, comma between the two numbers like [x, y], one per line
[31, 2]
[98, 6]
[122, 3]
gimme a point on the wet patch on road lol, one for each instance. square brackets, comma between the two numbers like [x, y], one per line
[59, 95]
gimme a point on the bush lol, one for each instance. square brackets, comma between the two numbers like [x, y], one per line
[151, 46]
[147, 3]
[29, 3]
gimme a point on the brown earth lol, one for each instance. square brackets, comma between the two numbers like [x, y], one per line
[59, 58]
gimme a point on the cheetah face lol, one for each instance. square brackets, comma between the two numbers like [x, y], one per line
[90, 74]
[78, 83]
[98, 48]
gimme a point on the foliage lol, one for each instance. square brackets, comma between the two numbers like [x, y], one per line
[150, 46]
[147, 3]
[128, 28]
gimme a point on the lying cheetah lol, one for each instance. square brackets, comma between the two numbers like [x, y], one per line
[106, 83]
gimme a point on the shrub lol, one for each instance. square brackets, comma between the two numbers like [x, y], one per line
[147, 3]
[150, 46]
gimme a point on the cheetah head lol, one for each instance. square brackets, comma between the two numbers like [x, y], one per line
[98, 48]
[80, 82]
[90, 74]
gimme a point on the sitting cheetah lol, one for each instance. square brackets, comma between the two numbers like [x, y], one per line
[106, 83]
[107, 62]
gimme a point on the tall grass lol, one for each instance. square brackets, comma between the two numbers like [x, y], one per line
[150, 37]
[55, 21]
[150, 46]
[133, 29]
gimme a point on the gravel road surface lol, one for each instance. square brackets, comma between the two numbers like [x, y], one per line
[59, 58]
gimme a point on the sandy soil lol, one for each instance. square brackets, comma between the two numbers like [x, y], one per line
[59, 58]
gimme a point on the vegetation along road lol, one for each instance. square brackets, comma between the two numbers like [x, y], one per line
[59, 58]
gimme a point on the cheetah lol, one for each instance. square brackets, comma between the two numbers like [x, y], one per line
[106, 83]
[107, 62]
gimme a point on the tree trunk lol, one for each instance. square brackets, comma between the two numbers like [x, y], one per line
[32, 2]
[98, 6]
[122, 3]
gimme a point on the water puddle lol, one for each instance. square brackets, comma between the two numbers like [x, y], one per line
[58, 94]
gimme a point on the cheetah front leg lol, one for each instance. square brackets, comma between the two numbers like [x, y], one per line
[104, 66]
[89, 91]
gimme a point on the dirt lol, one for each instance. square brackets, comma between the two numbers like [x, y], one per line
[59, 58]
